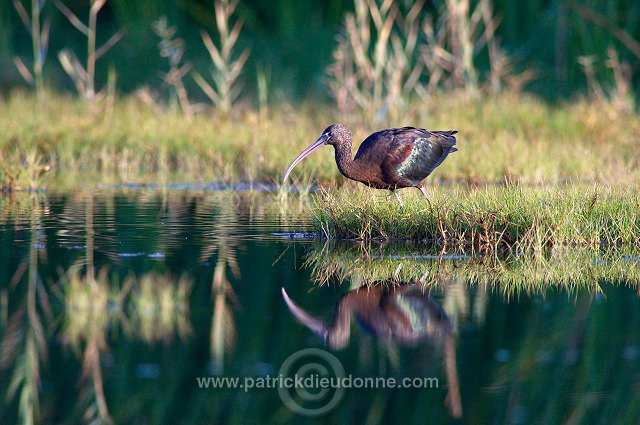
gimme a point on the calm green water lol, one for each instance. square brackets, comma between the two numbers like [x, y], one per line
[122, 306]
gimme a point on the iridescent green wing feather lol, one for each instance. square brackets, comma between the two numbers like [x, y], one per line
[425, 154]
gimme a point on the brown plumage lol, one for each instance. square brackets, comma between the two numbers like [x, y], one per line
[404, 314]
[389, 159]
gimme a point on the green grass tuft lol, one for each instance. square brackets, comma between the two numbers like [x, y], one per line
[487, 219]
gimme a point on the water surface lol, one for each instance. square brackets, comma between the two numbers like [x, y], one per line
[120, 304]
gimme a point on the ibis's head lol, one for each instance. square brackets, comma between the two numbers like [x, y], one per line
[334, 135]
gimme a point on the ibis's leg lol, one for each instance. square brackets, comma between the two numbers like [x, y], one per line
[395, 192]
[424, 192]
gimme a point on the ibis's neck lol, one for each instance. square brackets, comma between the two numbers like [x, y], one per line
[344, 160]
[340, 330]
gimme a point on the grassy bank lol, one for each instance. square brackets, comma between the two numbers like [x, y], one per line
[487, 219]
[128, 141]
[63, 140]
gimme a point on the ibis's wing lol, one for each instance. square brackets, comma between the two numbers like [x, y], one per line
[387, 145]
[417, 154]
[374, 148]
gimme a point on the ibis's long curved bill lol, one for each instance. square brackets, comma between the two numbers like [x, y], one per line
[303, 317]
[312, 147]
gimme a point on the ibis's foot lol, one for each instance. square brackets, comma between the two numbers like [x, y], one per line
[425, 193]
[395, 192]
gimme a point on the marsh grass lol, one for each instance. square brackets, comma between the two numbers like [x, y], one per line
[569, 269]
[382, 58]
[514, 217]
[225, 70]
[83, 76]
[39, 40]
[515, 136]
[23, 171]
[133, 143]
[172, 49]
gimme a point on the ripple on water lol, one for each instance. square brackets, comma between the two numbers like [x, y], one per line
[147, 220]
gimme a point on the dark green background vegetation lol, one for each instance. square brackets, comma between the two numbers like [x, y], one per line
[293, 40]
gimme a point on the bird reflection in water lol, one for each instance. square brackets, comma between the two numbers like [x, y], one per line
[404, 314]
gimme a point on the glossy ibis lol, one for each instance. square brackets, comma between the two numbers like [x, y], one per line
[389, 159]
